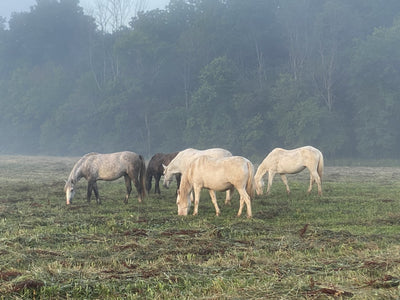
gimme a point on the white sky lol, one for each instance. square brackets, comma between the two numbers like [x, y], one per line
[9, 6]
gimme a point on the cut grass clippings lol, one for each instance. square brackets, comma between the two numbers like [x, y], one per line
[343, 245]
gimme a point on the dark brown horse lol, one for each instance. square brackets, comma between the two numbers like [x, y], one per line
[95, 166]
[155, 169]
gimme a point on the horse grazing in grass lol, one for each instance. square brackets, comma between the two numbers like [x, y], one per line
[155, 169]
[283, 162]
[216, 174]
[95, 166]
[182, 160]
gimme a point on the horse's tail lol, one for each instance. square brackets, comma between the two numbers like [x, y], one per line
[149, 177]
[142, 177]
[250, 180]
[320, 169]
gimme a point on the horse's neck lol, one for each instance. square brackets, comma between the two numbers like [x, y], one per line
[262, 169]
[175, 166]
[76, 174]
[185, 185]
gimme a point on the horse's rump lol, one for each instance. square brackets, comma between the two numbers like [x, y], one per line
[250, 180]
[141, 165]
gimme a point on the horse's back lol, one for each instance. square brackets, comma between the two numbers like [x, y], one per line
[290, 161]
[281, 153]
[155, 161]
[225, 168]
[185, 157]
[119, 161]
[158, 160]
[312, 154]
[311, 149]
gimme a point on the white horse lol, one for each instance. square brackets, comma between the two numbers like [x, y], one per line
[216, 174]
[283, 162]
[182, 160]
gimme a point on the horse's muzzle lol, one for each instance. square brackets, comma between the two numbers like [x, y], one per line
[167, 183]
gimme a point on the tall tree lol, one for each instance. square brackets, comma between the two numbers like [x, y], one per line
[376, 78]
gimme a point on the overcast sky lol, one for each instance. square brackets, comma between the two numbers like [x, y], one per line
[9, 6]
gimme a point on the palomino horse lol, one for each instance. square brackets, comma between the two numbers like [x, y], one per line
[94, 166]
[155, 169]
[283, 162]
[216, 174]
[182, 160]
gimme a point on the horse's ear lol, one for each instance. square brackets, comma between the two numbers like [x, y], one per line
[164, 166]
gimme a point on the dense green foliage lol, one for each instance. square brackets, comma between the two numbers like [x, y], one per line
[343, 245]
[244, 75]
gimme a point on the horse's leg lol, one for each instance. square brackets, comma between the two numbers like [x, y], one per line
[314, 176]
[191, 196]
[178, 177]
[157, 178]
[214, 201]
[228, 197]
[311, 183]
[271, 175]
[284, 179]
[96, 192]
[89, 190]
[128, 185]
[149, 178]
[136, 182]
[197, 190]
[244, 198]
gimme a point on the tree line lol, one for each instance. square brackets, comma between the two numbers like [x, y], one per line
[247, 76]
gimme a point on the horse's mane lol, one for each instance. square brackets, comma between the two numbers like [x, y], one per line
[78, 165]
[89, 154]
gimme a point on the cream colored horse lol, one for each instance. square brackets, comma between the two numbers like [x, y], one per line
[283, 162]
[216, 174]
[181, 162]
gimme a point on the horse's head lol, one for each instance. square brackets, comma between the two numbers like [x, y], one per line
[69, 190]
[259, 183]
[183, 205]
[168, 176]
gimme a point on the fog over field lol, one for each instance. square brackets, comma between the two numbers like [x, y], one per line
[160, 76]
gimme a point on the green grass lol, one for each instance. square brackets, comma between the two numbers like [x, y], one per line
[342, 245]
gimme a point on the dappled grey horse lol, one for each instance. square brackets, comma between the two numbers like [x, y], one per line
[94, 166]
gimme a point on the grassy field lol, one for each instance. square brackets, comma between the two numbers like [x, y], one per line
[343, 245]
